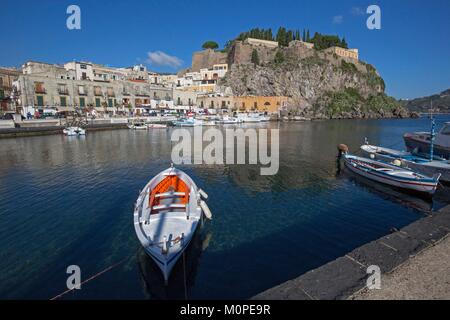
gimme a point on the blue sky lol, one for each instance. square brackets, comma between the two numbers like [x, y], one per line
[411, 51]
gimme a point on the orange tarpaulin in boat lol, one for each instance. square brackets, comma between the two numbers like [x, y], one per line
[170, 184]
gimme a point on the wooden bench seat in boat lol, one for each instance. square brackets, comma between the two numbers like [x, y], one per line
[170, 195]
[170, 206]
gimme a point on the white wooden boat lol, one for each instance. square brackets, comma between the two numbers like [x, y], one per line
[137, 126]
[209, 123]
[74, 131]
[249, 117]
[392, 175]
[410, 161]
[156, 126]
[166, 216]
[230, 120]
[189, 122]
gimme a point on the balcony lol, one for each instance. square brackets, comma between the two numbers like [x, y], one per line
[125, 94]
[63, 92]
[98, 93]
[82, 93]
[40, 90]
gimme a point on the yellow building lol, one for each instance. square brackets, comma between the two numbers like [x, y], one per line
[346, 53]
[244, 104]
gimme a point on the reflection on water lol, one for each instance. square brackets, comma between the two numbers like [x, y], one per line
[183, 275]
[69, 201]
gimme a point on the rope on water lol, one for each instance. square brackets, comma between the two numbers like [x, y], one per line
[92, 278]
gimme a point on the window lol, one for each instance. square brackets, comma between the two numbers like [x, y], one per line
[97, 103]
[83, 66]
[98, 91]
[63, 101]
[62, 89]
[110, 103]
[40, 101]
[83, 76]
[81, 90]
[255, 105]
[446, 130]
[179, 101]
[1, 81]
[39, 87]
[82, 102]
[2, 94]
[111, 92]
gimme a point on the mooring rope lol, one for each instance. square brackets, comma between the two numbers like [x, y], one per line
[93, 277]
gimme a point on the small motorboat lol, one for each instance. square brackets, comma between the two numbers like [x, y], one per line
[392, 175]
[250, 117]
[166, 216]
[156, 126]
[189, 122]
[410, 161]
[137, 126]
[209, 123]
[74, 131]
[230, 120]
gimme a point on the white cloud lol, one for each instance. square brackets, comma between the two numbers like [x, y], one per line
[162, 59]
[357, 11]
[338, 19]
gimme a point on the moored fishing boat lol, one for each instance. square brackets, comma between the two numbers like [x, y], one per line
[166, 216]
[429, 142]
[230, 120]
[189, 122]
[74, 131]
[156, 126]
[408, 160]
[391, 175]
[137, 126]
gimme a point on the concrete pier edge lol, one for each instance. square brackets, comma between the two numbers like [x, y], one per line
[346, 276]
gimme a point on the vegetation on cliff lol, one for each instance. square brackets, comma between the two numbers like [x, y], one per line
[284, 36]
[441, 103]
[210, 45]
[349, 103]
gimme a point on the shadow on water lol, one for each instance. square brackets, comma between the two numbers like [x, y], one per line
[183, 276]
[423, 204]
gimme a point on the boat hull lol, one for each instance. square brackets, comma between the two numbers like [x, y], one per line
[427, 187]
[427, 168]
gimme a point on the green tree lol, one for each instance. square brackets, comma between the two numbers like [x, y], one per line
[210, 45]
[255, 57]
[279, 57]
[308, 37]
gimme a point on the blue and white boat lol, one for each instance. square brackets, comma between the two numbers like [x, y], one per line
[411, 161]
[189, 122]
[392, 175]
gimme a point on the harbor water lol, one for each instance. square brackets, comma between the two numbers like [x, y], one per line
[69, 201]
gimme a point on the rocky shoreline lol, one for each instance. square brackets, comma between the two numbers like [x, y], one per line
[399, 113]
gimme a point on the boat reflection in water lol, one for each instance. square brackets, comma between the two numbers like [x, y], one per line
[425, 205]
[183, 274]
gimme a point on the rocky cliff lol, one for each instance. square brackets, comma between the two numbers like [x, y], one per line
[319, 84]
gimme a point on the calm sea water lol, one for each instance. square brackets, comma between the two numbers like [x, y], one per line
[68, 201]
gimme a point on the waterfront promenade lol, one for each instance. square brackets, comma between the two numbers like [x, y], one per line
[425, 276]
[414, 262]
